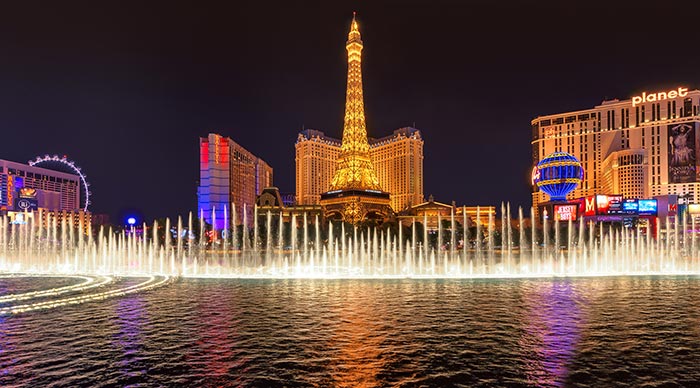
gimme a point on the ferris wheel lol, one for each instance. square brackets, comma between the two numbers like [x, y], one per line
[63, 164]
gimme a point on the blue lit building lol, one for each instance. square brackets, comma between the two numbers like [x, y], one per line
[229, 174]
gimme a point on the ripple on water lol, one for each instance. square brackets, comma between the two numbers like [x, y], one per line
[565, 332]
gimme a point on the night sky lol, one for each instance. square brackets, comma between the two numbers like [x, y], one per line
[126, 89]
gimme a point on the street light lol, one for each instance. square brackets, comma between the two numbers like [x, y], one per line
[131, 221]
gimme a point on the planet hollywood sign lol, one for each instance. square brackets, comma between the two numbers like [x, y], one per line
[659, 96]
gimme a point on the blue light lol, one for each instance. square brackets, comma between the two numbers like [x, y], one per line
[648, 207]
[557, 175]
[131, 220]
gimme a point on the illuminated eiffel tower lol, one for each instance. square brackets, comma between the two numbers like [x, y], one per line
[355, 194]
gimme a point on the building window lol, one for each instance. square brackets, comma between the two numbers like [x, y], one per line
[687, 107]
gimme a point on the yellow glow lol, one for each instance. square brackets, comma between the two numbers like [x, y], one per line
[88, 283]
[355, 168]
[659, 96]
[150, 283]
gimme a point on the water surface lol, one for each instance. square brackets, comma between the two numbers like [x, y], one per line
[592, 332]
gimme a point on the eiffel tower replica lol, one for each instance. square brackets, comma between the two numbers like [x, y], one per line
[355, 194]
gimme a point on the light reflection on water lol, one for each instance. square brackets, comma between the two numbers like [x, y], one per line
[367, 333]
[358, 338]
[128, 336]
[552, 325]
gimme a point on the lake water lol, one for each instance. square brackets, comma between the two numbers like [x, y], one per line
[593, 332]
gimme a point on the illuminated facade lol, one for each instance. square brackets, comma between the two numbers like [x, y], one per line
[316, 161]
[433, 212]
[229, 174]
[641, 147]
[62, 164]
[357, 176]
[355, 193]
[80, 219]
[355, 169]
[625, 172]
[272, 202]
[397, 160]
[24, 187]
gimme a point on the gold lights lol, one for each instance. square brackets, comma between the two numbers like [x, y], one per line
[355, 168]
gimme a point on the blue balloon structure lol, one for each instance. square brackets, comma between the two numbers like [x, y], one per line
[557, 175]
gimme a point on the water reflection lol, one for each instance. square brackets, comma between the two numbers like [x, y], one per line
[5, 364]
[552, 326]
[358, 337]
[215, 328]
[131, 318]
[642, 332]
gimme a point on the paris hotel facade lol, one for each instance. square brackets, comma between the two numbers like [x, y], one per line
[641, 147]
[397, 160]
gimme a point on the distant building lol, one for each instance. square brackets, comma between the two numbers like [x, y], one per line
[397, 160]
[625, 172]
[229, 174]
[431, 212]
[270, 200]
[80, 219]
[642, 147]
[316, 162]
[24, 187]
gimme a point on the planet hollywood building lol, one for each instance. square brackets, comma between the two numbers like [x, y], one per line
[642, 147]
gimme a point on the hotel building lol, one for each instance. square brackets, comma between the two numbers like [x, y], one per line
[397, 160]
[316, 161]
[79, 219]
[24, 187]
[229, 174]
[641, 147]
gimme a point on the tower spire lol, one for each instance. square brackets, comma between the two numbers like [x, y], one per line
[355, 168]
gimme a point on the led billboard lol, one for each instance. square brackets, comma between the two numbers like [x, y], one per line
[26, 192]
[615, 204]
[681, 153]
[565, 212]
[647, 207]
[601, 204]
[630, 206]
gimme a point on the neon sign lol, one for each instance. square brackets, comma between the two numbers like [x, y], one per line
[535, 175]
[659, 96]
[589, 203]
[565, 212]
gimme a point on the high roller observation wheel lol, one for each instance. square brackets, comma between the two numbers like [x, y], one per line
[70, 164]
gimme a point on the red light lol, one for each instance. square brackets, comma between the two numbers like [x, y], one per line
[204, 152]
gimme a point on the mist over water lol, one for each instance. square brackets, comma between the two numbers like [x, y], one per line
[606, 331]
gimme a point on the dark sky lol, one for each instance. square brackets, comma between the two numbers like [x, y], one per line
[126, 89]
